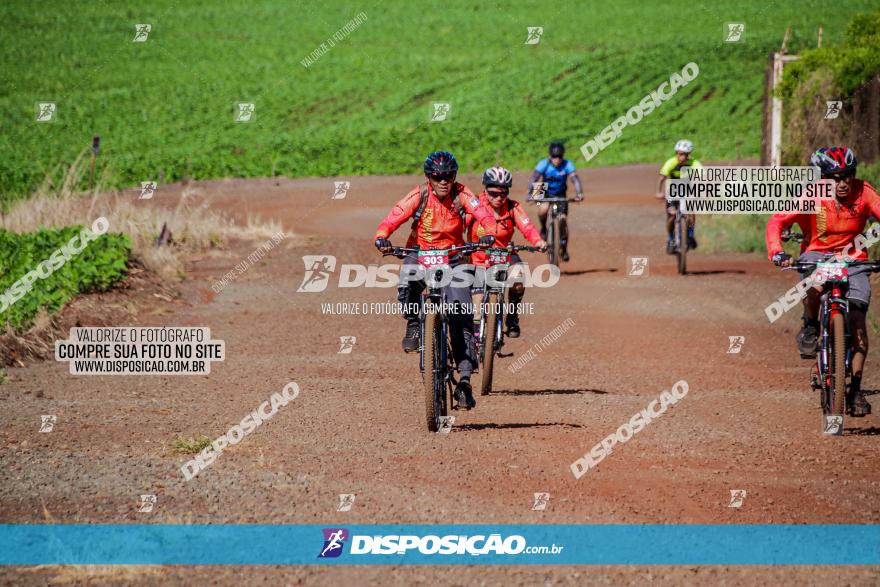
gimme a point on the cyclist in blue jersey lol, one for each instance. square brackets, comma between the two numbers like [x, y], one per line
[554, 172]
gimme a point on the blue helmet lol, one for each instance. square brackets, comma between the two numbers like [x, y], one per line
[440, 162]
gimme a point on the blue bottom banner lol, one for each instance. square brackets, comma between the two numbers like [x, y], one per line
[603, 544]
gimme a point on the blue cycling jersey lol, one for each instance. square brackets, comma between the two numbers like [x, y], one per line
[555, 177]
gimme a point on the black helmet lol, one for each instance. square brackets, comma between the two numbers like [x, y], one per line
[440, 162]
[834, 160]
[557, 149]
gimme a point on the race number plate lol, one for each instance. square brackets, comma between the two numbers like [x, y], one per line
[499, 258]
[832, 272]
[431, 259]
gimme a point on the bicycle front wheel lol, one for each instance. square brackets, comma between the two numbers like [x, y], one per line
[435, 372]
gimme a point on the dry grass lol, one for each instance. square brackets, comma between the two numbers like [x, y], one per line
[194, 227]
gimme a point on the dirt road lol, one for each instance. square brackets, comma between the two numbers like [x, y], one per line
[749, 421]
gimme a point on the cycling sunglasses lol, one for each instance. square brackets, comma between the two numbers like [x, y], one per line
[443, 176]
[841, 176]
[497, 194]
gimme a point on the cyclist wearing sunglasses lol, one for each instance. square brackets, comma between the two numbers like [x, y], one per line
[554, 171]
[438, 210]
[672, 170]
[833, 230]
[509, 215]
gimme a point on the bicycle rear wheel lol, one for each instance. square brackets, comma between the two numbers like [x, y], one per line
[487, 343]
[434, 373]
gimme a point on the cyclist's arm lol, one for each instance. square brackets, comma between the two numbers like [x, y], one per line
[525, 226]
[536, 176]
[476, 210]
[661, 185]
[402, 211]
[773, 234]
[576, 182]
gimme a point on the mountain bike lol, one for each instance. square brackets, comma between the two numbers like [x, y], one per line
[489, 331]
[834, 356]
[435, 350]
[556, 226]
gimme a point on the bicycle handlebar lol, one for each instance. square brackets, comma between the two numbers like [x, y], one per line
[551, 200]
[873, 266]
[401, 252]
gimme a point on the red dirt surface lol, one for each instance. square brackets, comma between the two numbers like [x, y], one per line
[749, 421]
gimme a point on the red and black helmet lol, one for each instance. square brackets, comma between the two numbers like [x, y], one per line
[834, 160]
[440, 162]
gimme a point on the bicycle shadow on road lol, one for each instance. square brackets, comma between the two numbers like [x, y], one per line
[585, 271]
[871, 431]
[548, 391]
[497, 426]
[717, 272]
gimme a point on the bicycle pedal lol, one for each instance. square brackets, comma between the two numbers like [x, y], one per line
[803, 356]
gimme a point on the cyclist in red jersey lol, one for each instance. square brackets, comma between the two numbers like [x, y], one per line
[438, 210]
[833, 230]
[509, 215]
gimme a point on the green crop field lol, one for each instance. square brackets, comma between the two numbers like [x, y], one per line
[164, 108]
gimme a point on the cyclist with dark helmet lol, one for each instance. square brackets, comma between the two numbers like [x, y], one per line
[554, 171]
[672, 170]
[509, 216]
[438, 210]
[834, 230]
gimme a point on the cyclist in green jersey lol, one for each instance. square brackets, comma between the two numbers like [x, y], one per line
[672, 170]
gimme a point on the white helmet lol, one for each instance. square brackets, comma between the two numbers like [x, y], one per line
[684, 146]
[497, 177]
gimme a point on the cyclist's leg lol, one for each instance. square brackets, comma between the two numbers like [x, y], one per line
[859, 296]
[543, 210]
[670, 226]
[461, 333]
[515, 294]
[563, 225]
[692, 222]
[409, 288]
[461, 326]
[808, 337]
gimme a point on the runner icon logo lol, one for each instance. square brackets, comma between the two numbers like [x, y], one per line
[146, 503]
[737, 496]
[334, 540]
[446, 424]
[736, 344]
[346, 344]
[318, 270]
[148, 188]
[441, 111]
[832, 109]
[47, 423]
[541, 501]
[142, 32]
[346, 500]
[638, 266]
[245, 112]
[341, 189]
[735, 32]
[534, 35]
[833, 425]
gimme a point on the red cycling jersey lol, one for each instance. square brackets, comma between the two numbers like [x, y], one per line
[835, 225]
[509, 217]
[440, 226]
